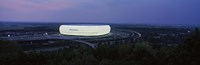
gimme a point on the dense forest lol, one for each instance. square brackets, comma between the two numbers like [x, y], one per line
[140, 53]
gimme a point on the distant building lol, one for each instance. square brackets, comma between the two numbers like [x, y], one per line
[85, 30]
[8, 35]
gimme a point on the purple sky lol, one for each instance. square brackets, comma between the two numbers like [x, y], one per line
[102, 11]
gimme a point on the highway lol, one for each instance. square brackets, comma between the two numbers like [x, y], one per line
[87, 43]
[129, 33]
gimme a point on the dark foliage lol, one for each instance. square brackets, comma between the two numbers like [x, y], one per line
[122, 54]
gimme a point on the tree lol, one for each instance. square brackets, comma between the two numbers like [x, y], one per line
[192, 48]
[8, 52]
[143, 53]
[9, 47]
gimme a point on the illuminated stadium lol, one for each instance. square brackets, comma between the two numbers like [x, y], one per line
[89, 35]
[84, 30]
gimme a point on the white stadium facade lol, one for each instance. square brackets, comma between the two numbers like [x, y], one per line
[85, 30]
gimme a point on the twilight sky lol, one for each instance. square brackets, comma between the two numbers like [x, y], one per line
[102, 11]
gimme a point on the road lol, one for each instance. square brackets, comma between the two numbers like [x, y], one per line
[63, 38]
[87, 43]
[47, 49]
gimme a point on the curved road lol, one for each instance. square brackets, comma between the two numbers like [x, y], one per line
[64, 38]
[94, 45]
[87, 43]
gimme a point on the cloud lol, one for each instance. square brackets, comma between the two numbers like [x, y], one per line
[100, 10]
[38, 5]
[35, 9]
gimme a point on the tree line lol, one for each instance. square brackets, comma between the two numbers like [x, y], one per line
[140, 53]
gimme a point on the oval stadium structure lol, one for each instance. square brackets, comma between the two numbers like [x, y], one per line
[85, 30]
